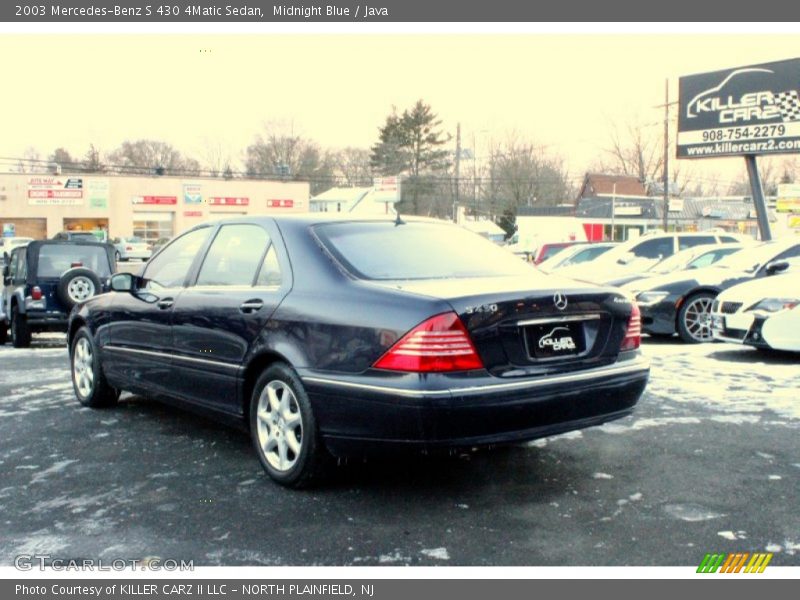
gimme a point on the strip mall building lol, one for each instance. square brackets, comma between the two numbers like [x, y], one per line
[41, 205]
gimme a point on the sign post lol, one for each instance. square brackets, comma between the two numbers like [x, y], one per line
[746, 111]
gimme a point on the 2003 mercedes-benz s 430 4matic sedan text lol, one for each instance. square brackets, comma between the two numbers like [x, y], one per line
[332, 337]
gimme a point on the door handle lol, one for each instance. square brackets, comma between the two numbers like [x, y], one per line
[165, 303]
[251, 306]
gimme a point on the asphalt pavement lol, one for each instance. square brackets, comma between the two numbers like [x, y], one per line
[709, 462]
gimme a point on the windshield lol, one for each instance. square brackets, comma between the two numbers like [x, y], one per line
[56, 258]
[385, 251]
[750, 259]
[673, 263]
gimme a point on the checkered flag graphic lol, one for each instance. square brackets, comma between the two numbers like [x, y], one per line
[789, 105]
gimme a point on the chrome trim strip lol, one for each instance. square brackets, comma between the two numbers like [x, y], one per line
[171, 356]
[633, 366]
[567, 319]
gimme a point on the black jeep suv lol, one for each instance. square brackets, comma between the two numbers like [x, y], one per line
[44, 280]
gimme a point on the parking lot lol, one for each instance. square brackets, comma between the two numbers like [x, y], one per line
[708, 463]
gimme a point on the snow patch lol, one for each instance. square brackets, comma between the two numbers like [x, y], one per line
[437, 553]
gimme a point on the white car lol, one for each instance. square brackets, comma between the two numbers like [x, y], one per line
[637, 255]
[764, 313]
[132, 247]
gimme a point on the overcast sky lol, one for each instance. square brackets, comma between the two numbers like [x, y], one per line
[193, 90]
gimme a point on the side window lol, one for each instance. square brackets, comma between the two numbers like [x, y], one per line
[270, 273]
[704, 260]
[170, 267]
[22, 267]
[13, 262]
[234, 256]
[726, 239]
[689, 241]
[657, 248]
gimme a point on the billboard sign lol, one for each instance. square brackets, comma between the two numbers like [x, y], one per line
[746, 110]
[386, 189]
[55, 191]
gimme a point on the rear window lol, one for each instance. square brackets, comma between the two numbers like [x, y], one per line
[385, 251]
[56, 258]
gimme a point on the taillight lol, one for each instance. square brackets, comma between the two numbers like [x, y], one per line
[128, 248]
[633, 336]
[439, 344]
[36, 293]
[75, 264]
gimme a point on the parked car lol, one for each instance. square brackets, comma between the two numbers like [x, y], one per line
[637, 255]
[331, 337]
[696, 257]
[44, 280]
[681, 302]
[7, 244]
[160, 243]
[761, 313]
[550, 249]
[575, 255]
[77, 236]
[131, 247]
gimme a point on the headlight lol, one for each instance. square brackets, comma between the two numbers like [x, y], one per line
[775, 304]
[650, 298]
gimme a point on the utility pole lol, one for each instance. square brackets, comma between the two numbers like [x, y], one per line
[613, 209]
[458, 171]
[666, 154]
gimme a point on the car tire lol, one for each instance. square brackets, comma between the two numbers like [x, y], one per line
[3, 333]
[77, 285]
[20, 332]
[694, 318]
[88, 381]
[283, 429]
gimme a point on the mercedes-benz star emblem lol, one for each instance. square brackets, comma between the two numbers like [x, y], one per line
[560, 301]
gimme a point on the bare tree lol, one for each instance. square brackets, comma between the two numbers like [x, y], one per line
[353, 166]
[636, 150]
[282, 152]
[151, 156]
[217, 157]
[31, 161]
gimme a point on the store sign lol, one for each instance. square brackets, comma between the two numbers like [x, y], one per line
[386, 189]
[676, 205]
[191, 194]
[794, 222]
[280, 203]
[746, 110]
[627, 211]
[229, 201]
[97, 191]
[154, 200]
[788, 197]
[55, 191]
[193, 213]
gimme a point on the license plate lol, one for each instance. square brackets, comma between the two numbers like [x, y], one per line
[555, 340]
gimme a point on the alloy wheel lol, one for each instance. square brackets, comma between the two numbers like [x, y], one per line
[82, 367]
[697, 318]
[280, 425]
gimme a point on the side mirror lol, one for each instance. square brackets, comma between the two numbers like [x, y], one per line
[123, 282]
[778, 266]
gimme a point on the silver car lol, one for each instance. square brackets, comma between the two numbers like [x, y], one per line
[132, 247]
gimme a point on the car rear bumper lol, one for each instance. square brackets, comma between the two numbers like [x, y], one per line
[440, 411]
[47, 321]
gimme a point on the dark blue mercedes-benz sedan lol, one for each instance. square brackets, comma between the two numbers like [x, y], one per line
[334, 337]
